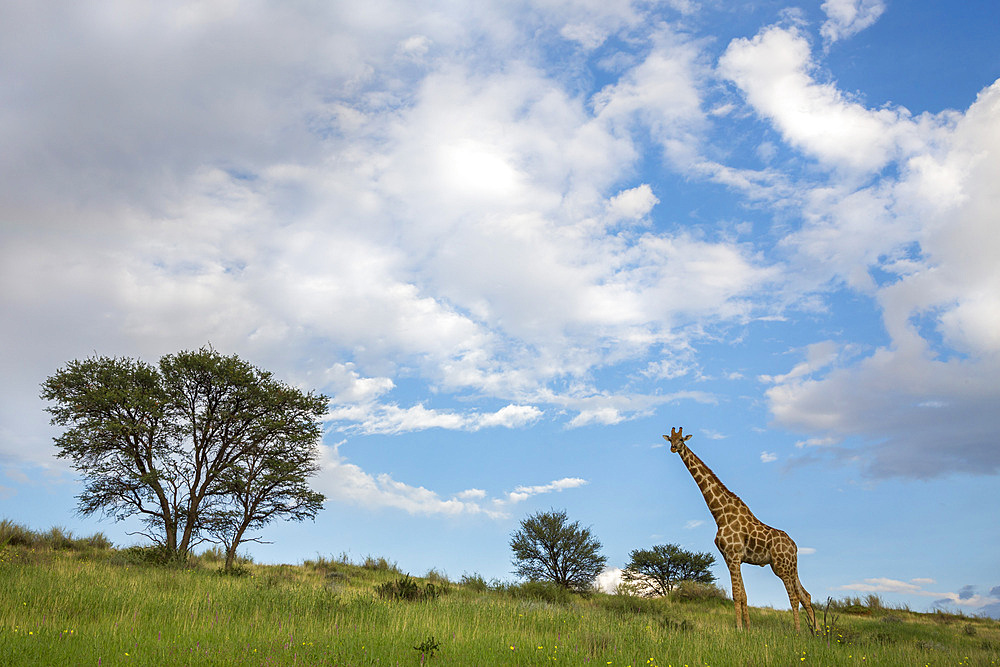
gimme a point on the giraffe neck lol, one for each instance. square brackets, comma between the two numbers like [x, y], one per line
[717, 496]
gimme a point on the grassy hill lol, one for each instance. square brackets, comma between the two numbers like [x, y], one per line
[66, 601]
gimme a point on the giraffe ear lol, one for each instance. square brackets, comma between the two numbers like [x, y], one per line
[686, 438]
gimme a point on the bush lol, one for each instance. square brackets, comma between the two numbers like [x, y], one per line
[98, 541]
[474, 582]
[379, 564]
[150, 555]
[688, 591]
[16, 535]
[545, 591]
[405, 588]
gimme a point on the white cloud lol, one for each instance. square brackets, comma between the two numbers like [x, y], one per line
[886, 585]
[632, 204]
[354, 200]
[923, 404]
[346, 482]
[848, 17]
[662, 94]
[609, 580]
[692, 524]
[522, 493]
[774, 69]
[816, 442]
[768, 457]
[391, 419]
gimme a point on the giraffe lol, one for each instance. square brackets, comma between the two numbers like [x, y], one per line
[743, 538]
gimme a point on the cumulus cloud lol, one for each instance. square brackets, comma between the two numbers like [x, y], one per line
[522, 493]
[369, 232]
[922, 404]
[848, 17]
[367, 201]
[775, 70]
[391, 419]
[346, 482]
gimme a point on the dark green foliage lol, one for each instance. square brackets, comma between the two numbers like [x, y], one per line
[156, 554]
[688, 591]
[550, 548]
[657, 570]
[428, 647]
[200, 447]
[405, 588]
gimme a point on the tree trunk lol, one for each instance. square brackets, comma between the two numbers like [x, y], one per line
[231, 549]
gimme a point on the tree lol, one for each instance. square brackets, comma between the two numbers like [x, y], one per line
[165, 443]
[659, 569]
[549, 548]
[269, 481]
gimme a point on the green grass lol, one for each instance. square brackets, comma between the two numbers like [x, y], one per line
[92, 605]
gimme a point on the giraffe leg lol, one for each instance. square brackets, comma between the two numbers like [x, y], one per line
[788, 573]
[791, 587]
[807, 603]
[739, 594]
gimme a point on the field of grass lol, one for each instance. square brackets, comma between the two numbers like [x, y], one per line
[80, 602]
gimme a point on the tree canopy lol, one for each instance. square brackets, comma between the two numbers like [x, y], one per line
[657, 570]
[202, 447]
[550, 548]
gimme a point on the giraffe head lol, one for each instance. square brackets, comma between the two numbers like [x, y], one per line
[676, 439]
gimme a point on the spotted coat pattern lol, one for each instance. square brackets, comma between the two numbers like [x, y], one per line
[743, 538]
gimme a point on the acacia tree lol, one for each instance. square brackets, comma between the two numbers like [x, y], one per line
[550, 548]
[162, 443]
[270, 481]
[660, 568]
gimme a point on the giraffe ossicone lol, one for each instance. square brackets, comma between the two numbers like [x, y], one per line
[743, 538]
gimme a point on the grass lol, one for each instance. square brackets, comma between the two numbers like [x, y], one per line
[100, 606]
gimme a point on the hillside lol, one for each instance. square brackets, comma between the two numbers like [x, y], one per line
[81, 602]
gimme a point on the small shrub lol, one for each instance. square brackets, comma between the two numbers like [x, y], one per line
[57, 538]
[157, 554]
[16, 535]
[691, 591]
[436, 577]
[405, 588]
[474, 582]
[545, 591]
[323, 564]
[428, 648]
[97, 541]
[379, 564]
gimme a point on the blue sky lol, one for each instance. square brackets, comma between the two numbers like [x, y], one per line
[515, 243]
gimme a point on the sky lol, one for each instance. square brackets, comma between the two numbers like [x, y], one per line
[517, 242]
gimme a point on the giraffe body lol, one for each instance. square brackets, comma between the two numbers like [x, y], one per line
[743, 538]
